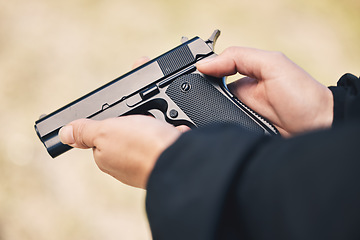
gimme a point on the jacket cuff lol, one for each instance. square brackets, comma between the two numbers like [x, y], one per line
[346, 98]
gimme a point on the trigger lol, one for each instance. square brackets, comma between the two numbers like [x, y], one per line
[157, 114]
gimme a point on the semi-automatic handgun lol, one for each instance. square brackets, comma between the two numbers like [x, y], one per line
[169, 88]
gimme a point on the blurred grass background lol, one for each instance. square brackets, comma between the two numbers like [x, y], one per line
[52, 52]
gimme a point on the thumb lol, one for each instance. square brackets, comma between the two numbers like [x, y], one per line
[79, 134]
[216, 66]
[246, 61]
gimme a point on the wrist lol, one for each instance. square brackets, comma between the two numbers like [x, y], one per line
[325, 114]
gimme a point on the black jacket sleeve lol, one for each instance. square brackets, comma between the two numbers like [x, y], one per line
[226, 183]
[346, 99]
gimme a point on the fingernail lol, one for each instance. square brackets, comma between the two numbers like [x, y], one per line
[206, 60]
[66, 135]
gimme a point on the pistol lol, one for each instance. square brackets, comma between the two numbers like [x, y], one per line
[169, 88]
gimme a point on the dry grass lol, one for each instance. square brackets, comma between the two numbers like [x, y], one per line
[52, 52]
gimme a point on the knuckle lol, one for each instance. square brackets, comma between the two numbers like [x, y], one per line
[103, 132]
[79, 133]
[231, 50]
[279, 56]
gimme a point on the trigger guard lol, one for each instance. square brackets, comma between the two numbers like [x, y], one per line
[157, 114]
